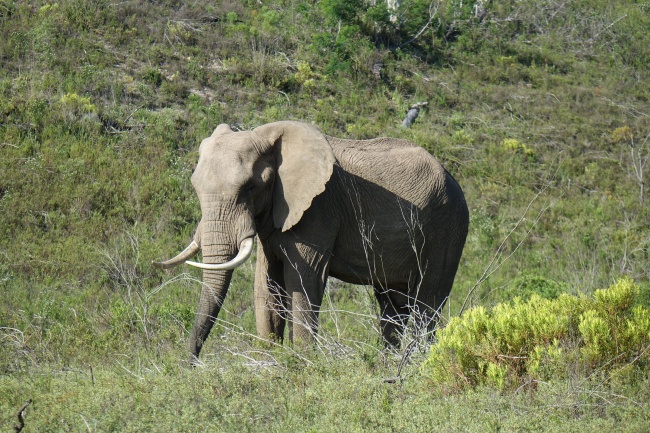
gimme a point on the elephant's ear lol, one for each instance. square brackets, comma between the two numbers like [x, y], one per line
[305, 164]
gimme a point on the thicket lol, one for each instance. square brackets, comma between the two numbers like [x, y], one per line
[540, 109]
[520, 343]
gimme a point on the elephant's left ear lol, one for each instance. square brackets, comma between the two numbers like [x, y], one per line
[305, 164]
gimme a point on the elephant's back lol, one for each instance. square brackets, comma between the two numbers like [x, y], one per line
[399, 166]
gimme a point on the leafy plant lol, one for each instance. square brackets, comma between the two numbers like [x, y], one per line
[543, 339]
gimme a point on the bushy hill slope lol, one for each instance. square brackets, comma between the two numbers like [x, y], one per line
[103, 105]
[540, 109]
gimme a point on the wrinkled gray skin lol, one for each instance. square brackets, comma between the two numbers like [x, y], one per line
[379, 212]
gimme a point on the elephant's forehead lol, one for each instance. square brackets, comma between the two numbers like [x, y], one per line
[234, 146]
[223, 165]
[222, 175]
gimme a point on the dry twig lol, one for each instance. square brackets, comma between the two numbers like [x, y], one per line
[21, 420]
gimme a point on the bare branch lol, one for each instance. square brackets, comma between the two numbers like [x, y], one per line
[433, 13]
[21, 420]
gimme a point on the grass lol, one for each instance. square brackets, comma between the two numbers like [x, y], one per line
[540, 110]
[247, 389]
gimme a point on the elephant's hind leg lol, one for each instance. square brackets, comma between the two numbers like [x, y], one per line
[271, 299]
[394, 315]
[433, 288]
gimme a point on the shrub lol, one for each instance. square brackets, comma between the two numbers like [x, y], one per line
[526, 285]
[512, 146]
[543, 339]
[74, 102]
[342, 10]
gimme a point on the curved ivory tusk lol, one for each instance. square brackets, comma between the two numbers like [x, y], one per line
[245, 250]
[187, 253]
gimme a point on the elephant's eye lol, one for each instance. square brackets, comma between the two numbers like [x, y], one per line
[249, 188]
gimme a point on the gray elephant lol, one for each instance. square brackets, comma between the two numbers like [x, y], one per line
[379, 212]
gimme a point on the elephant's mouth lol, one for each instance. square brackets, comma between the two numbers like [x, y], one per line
[245, 251]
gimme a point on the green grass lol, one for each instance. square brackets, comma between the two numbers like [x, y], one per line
[345, 395]
[541, 111]
[243, 387]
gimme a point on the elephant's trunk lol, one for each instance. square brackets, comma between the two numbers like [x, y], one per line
[213, 291]
[219, 238]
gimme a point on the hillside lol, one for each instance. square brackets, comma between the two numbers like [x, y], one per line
[540, 110]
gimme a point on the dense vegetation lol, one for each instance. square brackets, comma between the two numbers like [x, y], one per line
[521, 343]
[540, 109]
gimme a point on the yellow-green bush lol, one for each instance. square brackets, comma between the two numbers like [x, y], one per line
[73, 104]
[543, 339]
[513, 146]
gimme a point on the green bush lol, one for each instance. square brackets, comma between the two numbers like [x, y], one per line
[342, 10]
[527, 285]
[544, 339]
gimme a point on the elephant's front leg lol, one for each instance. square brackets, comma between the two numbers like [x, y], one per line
[306, 287]
[271, 299]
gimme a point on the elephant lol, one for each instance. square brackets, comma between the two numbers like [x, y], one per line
[381, 212]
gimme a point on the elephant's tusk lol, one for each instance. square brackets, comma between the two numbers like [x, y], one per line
[187, 253]
[245, 250]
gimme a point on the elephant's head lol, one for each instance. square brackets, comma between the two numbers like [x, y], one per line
[261, 180]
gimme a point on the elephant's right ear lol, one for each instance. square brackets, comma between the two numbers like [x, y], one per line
[221, 129]
[305, 164]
